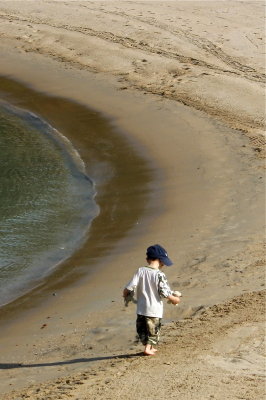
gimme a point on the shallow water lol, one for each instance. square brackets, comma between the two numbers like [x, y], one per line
[47, 200]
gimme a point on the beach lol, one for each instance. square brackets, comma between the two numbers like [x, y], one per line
[180, 86]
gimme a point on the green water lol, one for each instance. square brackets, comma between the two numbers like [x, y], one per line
[46, 200]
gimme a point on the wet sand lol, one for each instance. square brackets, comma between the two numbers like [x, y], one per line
[203, 200]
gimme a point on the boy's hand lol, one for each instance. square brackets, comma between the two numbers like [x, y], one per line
[174, 298]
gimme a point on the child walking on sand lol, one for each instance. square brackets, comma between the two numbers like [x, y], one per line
[150, 286]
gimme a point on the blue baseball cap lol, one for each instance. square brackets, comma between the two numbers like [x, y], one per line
[157, 251]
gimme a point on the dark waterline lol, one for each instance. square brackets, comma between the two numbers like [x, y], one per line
[122, 177]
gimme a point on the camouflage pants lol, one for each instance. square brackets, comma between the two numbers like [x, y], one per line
[148, 329]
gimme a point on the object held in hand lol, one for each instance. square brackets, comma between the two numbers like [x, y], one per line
[129, 298]
[175, 293]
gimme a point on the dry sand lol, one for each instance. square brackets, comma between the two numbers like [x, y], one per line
[216, 355]
[183, 83]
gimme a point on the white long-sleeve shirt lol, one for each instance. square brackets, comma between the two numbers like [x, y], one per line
[150, 286]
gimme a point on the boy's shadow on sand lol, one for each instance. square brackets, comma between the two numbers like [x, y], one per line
[75, 361]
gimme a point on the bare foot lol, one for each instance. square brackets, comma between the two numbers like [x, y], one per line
[153, 349]
[149, 350]
[149, 353]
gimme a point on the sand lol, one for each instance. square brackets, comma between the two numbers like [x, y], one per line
[182, 83]
[218, 354]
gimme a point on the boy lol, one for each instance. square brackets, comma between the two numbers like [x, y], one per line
[150, 286]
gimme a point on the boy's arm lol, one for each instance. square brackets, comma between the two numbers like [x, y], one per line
[163, 287]
[131, 285]
[165, 291]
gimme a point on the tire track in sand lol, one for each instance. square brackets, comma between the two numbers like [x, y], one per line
[240, 69]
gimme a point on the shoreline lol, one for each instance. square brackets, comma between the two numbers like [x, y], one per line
[105, 167]
[208, 204]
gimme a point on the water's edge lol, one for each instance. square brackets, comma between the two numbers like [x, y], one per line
[47, 200]
[117, 170]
